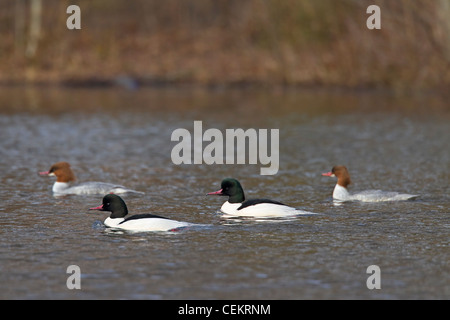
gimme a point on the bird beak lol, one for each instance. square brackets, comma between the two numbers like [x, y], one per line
[97, 208]
[219, 193]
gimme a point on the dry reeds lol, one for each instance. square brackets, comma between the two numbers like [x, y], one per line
[229, 41]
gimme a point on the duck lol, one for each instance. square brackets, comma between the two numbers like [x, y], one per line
[341, 193]
[237, 206]
[137, 223]
[65, 178]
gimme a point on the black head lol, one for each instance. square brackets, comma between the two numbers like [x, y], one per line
[231, 188]
[114, 204]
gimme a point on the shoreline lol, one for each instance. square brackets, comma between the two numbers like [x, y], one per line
[267, 44]
[137, 83]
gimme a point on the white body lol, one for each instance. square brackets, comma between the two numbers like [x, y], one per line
[62, 188]
[260, 210]
[341, 193]
[145, 224]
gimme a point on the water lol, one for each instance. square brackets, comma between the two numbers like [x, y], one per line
[389, 143]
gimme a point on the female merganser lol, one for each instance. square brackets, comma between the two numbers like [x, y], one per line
[64, 177]
[341, 193]
[138, 222]
[237, 206]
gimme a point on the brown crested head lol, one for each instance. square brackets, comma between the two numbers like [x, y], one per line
[342, 174]
[62, 171]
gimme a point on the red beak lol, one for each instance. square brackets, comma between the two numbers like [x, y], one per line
[328, 174]
[44, 173]
[219, 193]
[97, 208]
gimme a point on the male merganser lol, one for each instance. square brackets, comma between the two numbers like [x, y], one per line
[64, 177]
[237, 206]
[340, 192]
[138, 222]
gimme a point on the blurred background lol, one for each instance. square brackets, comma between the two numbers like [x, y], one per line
[107, 98]
[210, 42]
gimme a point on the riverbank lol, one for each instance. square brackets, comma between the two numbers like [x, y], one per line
[230, 43]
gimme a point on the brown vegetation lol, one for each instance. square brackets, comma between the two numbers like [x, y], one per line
[300, 42]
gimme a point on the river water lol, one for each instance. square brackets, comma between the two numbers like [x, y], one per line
[388, 142]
